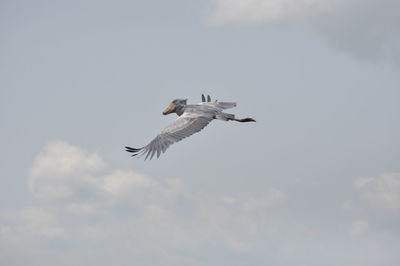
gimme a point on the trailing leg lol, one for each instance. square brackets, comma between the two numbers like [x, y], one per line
[247, 119]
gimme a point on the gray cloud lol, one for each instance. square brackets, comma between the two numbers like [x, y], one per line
[381, 192]
[262, 11]
[29, 222]
[366, 29]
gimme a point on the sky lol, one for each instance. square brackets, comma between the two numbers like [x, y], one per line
[316, 181]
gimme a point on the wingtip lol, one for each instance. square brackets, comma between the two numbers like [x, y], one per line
[133, 150]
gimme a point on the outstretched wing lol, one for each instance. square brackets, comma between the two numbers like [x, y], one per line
[185, 126]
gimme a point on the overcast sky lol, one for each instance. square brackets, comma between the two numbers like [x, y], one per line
[316, 181]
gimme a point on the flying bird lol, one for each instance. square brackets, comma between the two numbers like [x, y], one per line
[192, 118]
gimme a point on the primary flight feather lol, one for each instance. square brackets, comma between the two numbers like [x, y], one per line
[192, 118]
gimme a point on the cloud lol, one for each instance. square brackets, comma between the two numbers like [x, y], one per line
[382, 191]
[112, 215]
[29, 222]
[79, 198]
[119, 182]
[261, 11]
[272, 198]
[359, 227]
[366, 29]
[63, 171]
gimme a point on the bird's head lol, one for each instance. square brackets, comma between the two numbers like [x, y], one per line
[176, 106]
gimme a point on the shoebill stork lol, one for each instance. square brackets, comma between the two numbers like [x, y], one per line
[191, 119]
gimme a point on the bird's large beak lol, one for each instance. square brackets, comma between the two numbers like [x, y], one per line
[170, 109]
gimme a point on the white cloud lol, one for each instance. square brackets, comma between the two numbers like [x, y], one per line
[120, 214]
[363, 28]
[64, 171]
[80, 197]
[261, 11]
[122, 181]
[382, 191]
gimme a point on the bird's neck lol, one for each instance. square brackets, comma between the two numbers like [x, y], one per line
[180, 110]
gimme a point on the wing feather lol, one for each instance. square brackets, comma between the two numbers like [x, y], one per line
[183, 127]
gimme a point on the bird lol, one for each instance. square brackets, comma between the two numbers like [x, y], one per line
[192, 118]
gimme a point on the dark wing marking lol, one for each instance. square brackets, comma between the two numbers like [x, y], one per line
[203, 98]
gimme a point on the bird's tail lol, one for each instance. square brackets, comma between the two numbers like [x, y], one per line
[226, 105]
[225, 116]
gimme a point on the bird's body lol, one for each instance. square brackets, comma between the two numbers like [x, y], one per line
[192, 118]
